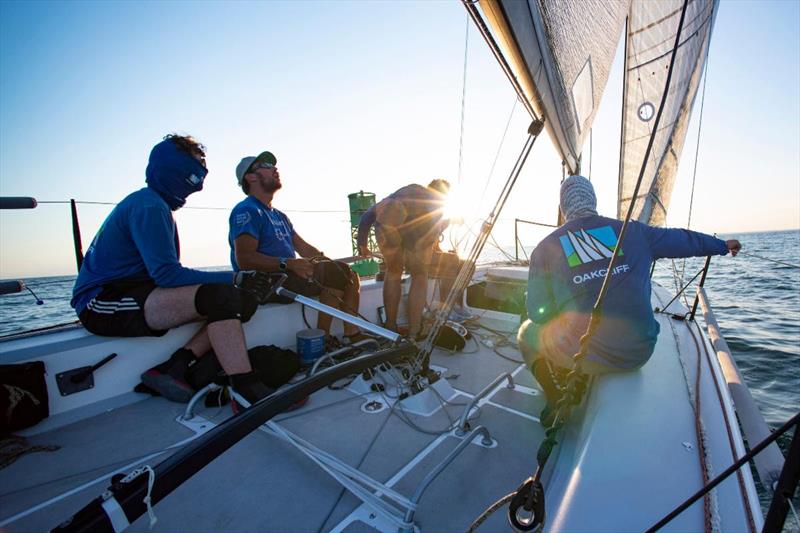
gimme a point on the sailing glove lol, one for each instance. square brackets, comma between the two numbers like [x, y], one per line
[254, 282]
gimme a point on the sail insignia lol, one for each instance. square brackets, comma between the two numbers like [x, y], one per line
[652, 27]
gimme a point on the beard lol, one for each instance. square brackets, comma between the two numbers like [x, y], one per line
[272, 186]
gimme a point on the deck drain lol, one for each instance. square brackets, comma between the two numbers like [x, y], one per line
[373, 406]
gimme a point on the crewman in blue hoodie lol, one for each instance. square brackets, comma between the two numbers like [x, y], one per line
[566, 272]
[132, 284]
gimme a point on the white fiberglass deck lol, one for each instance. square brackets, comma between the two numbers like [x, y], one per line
[628, 458]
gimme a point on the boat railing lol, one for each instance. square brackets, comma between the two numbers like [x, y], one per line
[770, 462]
[517, 241]
[463, 425]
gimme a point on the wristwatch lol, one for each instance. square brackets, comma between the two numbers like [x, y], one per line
[282, 263]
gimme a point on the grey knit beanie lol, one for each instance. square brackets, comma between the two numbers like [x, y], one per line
[577, 198]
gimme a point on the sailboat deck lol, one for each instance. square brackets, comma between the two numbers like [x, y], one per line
[634, 440]
[265, 484]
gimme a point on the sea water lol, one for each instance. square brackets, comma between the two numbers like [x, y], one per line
[756, 301]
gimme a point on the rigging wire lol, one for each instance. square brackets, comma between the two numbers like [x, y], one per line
[699, 129]
[784, 263]
[500, 146]
[494, 162]
[697, 150]
[421, 361]
[205, 208]
[463, 99]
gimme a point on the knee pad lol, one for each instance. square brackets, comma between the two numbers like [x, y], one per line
[216, 302]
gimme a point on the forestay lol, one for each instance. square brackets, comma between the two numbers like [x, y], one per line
[652, 27]
[561, 55]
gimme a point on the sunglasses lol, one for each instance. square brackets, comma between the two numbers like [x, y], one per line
[257, 166]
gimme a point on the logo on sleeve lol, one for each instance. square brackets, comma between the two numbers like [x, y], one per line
[241, 218]
[585, 246]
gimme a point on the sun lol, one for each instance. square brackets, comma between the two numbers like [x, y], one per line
[455, 207]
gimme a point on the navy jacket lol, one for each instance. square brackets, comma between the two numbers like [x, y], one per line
[138, 241]
[567, 270]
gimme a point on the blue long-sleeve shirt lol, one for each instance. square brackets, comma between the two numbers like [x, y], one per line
[138, 241]
[567, 270]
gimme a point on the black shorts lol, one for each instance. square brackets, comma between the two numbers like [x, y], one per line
[329, 274]
[118, 311]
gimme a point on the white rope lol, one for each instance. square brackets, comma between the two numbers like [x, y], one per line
[151, 478]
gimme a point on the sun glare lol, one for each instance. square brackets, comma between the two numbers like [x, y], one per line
[455, 208]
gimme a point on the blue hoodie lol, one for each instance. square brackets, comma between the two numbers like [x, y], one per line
[139, 239]
[567, 270]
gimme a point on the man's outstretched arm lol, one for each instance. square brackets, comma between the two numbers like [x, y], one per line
[674, 243]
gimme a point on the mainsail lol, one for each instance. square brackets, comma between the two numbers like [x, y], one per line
[560, 54]
[652, 28]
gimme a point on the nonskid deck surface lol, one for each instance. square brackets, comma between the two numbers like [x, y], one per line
[265, 484]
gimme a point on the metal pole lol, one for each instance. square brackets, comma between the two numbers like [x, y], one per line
[702, 282]
[128, 495]
[363, 324]
[516, 241]
[76, 234]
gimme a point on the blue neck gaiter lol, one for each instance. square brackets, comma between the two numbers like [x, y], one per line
[173, 173]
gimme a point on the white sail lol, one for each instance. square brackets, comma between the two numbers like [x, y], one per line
[560, 54]
[652, 28]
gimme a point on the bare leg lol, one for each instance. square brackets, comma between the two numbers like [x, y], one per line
[227, 339]
[445, 286]
[419, 261]
[417, 295]
[324, 320]
[200, 344]
[169, 308]
[352, 293]
[391, 295]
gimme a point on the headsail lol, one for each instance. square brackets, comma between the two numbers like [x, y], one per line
[652, 27]
[560, 54]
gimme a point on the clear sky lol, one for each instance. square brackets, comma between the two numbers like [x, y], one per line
[350, 96]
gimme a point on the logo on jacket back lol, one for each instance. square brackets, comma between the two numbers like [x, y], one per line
[584, 246]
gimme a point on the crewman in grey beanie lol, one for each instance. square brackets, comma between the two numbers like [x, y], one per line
[566, 272]
[577, 198]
